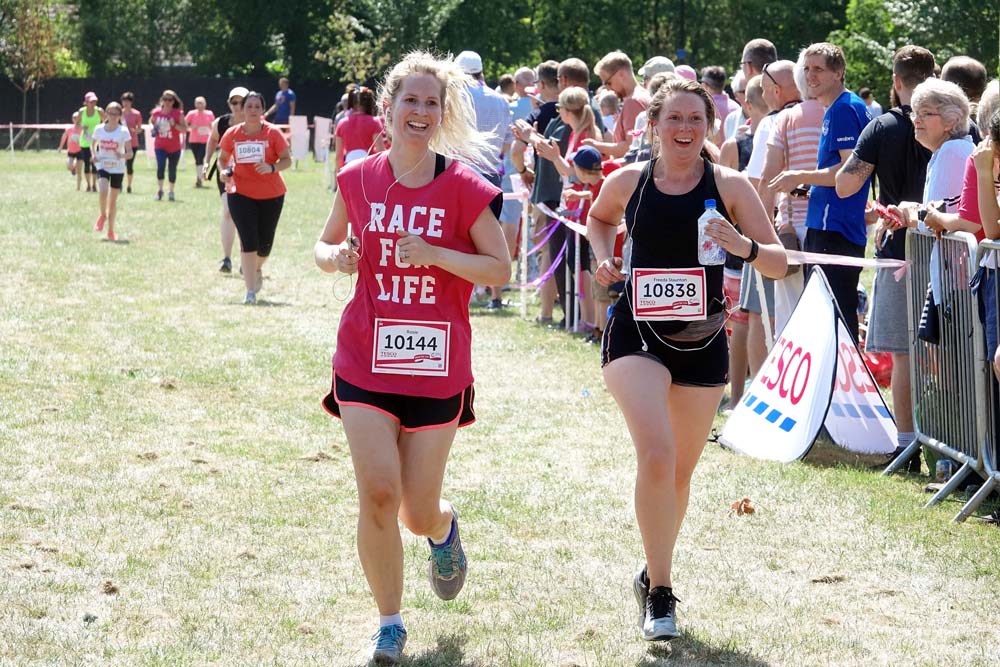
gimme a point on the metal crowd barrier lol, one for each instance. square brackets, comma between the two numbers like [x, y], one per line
[948, 380]
[990, 443]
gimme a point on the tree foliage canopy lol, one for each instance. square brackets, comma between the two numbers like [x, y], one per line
[356, 39]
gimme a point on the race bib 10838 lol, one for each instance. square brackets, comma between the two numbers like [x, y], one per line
[668, 294]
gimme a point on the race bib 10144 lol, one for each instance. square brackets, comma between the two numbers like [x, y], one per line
[411, 347]
[250, 152]
[668, 294]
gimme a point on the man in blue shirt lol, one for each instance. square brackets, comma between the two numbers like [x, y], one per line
[834, 225]
[284, 103]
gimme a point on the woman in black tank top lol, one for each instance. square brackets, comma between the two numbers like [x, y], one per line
[227, 230]
[668, 374]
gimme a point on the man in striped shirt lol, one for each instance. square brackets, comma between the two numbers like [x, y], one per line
[793, 144]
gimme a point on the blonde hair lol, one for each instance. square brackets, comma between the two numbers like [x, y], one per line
[457, 135]
[112, 106]
[611, 63]
[576, 101]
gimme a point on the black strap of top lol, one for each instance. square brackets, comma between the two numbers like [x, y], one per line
[439, 164]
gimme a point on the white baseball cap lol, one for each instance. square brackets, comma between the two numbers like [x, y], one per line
[470, 62]
[238, 91]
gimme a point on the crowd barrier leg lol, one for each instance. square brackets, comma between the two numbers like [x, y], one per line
[904, 457]
[525, 235]
[976, 500]
[952, 485]
[577, 295]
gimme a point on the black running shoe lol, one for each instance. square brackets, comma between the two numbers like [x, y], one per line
[659, 618]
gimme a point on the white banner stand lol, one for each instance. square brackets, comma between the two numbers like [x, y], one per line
[299, 126]
[814, 376]
[147, 132]
[321, 138]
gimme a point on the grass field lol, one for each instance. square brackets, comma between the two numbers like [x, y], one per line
[171, 492]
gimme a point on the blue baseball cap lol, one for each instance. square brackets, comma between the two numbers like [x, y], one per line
[587, 157]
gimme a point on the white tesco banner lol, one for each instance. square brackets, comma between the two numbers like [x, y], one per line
[321, 138]
[814, 376]
[299, 126]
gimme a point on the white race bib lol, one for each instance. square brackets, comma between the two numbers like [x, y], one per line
[205, 130]
[411, 347]
[668, 294]
[250, 152]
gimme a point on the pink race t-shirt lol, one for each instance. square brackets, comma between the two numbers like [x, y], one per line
[632, 106]
[406, 330]
[168, 137]
[133, 120]
[357, 132]
[72, 139]
[199, 126]
[968, 204]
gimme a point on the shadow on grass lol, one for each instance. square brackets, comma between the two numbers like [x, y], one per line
[449, 652]
[689, 651]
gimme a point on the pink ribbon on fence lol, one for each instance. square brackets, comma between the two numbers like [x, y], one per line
[549, 271]
[800, 257]
[523, 194]
[551, 229]
[575, 226]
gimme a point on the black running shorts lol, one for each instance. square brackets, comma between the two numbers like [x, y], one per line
[414, 413]
[708, 367]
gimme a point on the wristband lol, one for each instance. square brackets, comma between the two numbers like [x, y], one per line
[754, 249]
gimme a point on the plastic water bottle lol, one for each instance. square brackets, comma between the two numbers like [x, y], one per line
[709, 252]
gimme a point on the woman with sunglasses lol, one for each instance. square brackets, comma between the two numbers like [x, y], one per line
[169, 127]
[252, 153]
[227, 230]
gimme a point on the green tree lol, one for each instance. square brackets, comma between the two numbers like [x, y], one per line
[28, 44]
[875, 29]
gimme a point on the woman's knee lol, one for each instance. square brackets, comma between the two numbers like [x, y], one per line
[657, 463]
[421, 518]
[380, 495]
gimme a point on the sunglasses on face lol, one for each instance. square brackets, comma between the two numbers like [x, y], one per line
[235, 103]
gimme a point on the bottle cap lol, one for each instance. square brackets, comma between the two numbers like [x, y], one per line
[709, 203]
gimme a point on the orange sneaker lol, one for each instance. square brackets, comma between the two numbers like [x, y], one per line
[99, 225]
[111, 236]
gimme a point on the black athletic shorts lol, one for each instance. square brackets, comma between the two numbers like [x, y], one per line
[75, 156]
[414, 413]
[85, 155]
[708, 367]
[116, 179]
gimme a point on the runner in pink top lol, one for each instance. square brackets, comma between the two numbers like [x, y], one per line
[360, 133]
[424, 233]
[199, 122]
[132, 118]
[71, 140]
[169, 127]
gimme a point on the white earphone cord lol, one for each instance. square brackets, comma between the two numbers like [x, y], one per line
[628, 283]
